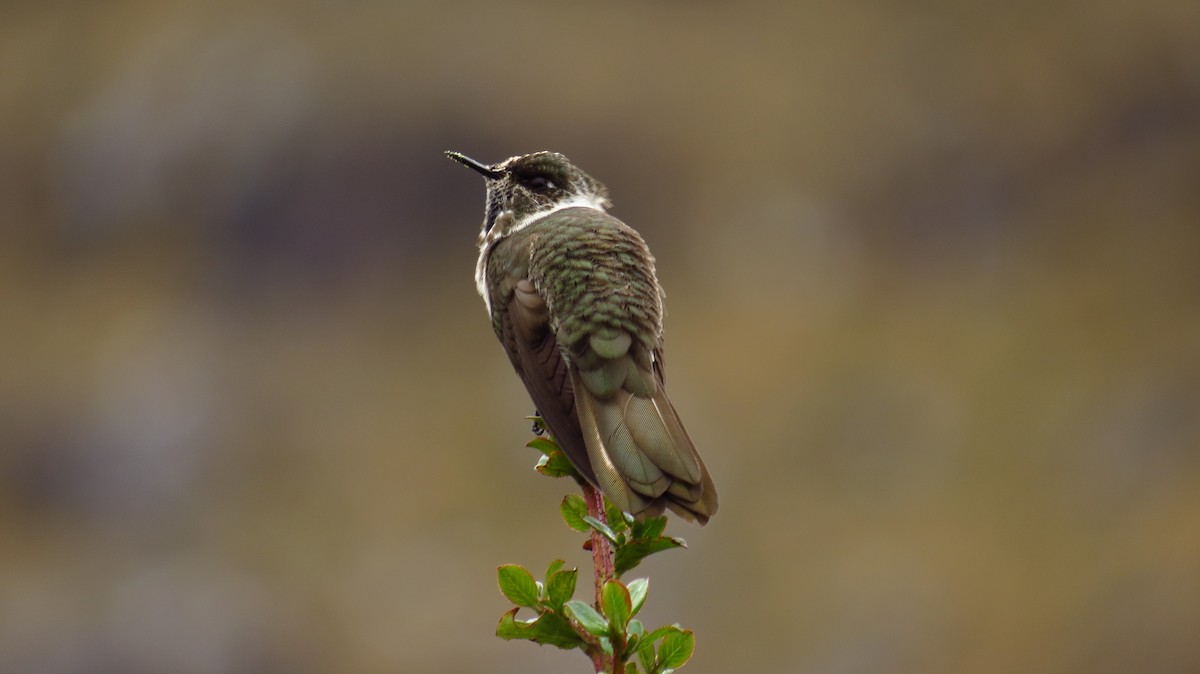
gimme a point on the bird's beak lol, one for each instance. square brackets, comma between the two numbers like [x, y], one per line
[484, 169]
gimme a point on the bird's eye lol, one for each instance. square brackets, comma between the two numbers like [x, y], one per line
[539, 183]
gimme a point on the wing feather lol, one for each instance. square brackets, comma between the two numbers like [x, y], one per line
[523, 329]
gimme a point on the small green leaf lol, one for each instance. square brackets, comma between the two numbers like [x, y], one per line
[657, 634]
[554, 630]
[637, 593]
[631, 554]
[552, 462]
[676, 648]
[614, 597]
[645, 646]
[645, 653]
[518, 585]
[601, 527]
[586, 616]
[616, 518]
[631, 668]
[560, 588]
[651, 527]
[574, 512]
[511, 628]
[549, 628]
[544, 445]
[554, 566]
[633, 637]
[555, 464]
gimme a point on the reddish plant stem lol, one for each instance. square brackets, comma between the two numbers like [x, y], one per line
[602, 558]
[602, 563]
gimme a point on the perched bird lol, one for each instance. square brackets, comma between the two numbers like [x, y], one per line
[574, 299]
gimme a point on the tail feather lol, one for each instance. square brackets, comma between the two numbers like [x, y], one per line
[686, 491]
[657, 432]
[641, 454]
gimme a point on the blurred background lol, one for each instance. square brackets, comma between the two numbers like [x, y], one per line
[933, 276]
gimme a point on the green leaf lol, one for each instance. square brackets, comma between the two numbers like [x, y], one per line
[645, 646]
[549, 628]
[637, 593]
[631, 554]
[631, 668]
[657, 634]
[676, 648]
[633, 637]
[554, 566]
[511, 628]
[616, 518]
[601, 527]
[614, 597]
[552, 462]
[574, 512]
[586, 616]
[555, 464]
[518, 585]
[651, 527]
[554, 630]
[646, 657]
[544, 445]
[645, 653]
[560, 587]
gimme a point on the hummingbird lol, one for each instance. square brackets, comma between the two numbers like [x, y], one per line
[574, 299]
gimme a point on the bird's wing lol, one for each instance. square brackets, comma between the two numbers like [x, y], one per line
[524, 331]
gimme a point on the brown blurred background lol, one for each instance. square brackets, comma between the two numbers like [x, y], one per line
[933, 273]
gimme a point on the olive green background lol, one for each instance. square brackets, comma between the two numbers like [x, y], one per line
[933, 277]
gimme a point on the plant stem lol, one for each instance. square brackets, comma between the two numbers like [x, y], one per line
[602, 558]
[602, 563]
